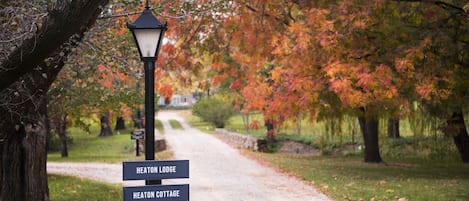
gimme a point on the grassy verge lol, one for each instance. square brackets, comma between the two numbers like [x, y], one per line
[63, 188]
[159, 126]
[409, 176]
[91, 148]
[309, 132]
[348, 178]
[198, 123]
[328, 135]
[175, 124]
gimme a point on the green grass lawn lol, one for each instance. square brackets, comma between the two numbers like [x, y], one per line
[175, 124]
[91, 148]
[335, 132]
[159, 126]
[316, 133]
[198, 123]
[349, 178]
[64, 188]
[409, 174]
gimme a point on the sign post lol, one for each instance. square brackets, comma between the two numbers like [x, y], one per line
[137, 135]
[156, 170]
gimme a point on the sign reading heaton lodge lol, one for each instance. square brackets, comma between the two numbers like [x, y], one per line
[147, 170]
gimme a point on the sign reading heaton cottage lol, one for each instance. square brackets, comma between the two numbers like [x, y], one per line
[148, 170]
[166, 193]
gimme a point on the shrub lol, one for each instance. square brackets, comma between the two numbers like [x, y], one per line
[213, 110]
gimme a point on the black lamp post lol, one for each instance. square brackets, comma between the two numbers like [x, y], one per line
[148, 33]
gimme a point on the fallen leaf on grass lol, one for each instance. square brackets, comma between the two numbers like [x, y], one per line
[350, 184]
[324, 186]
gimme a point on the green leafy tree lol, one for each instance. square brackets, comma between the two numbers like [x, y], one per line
[213, 110]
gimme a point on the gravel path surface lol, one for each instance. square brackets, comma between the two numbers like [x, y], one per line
[218, 172]
[110, 173]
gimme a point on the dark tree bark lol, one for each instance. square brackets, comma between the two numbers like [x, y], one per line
[138, 121]
[59, 124]
[62, 131]
[66, 19]
[23, 157]
[105, 126]
[369, 128]
[120, 124]
[393, 128]
[25, 77]
[457, 129]
[64, 148]
[269, 125]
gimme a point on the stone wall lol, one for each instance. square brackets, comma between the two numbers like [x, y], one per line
[291, 147]
[160, 144]
[252, 143]
[239, 140]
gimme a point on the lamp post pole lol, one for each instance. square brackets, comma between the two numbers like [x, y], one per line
[138, 125]
[149, 66]
[148, 33]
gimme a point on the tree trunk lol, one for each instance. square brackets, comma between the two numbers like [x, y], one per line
[105, 126]
[298, 127]
[26, 75]
[393, 128]
[138, 121]
[23, 135]
[62, 131]
[23, 157]
[457, 129]
[64, 148]
[120, 124]
[269, 125]
[369, 128]
[246, 121]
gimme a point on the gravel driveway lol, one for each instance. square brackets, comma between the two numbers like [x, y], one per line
[218, 172]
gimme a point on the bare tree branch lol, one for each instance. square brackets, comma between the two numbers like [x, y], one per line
[267, 15]
[65, 19]
[188, 14]
[444, 5]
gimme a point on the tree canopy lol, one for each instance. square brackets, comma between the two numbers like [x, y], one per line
[288, 59]
[319, 59]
